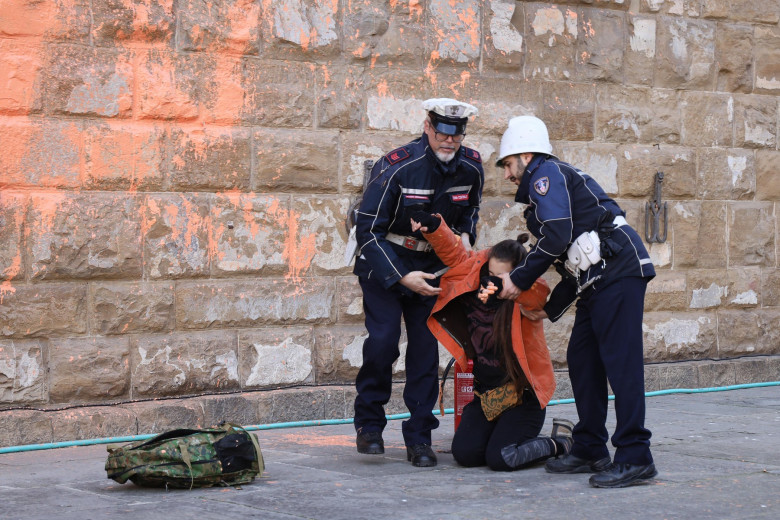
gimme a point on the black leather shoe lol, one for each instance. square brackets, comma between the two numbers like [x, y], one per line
[623, 475]
[572, 464]
[421, 455]
[370, 443]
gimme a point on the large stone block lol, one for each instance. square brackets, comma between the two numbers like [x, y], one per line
[600, 161]
[231, 409]
[211, 159]
[600, 51]
[81, 81]
[309, 404]
[339, 97]
[689, 8]
[667, 292]
[94, 235]
[161, 416]
[386, 33]
[551, 35]
[755, 121]
[707, 119]
[13, 209]
[698, 233]
[767, 11]
[349, 300]
[394, 102]
[685, 53]
[739, 332]
[497, 98]
[751, 234]
[456, 30]
[169, 86]
[276, 356]
[43, 310]
[89, 369]
[637, 166]
[134, 307]
[357, 148]
[116, 22]
[321, 236]
[757, 370]
[569, 111]
[176, 235]
[680, 336]
[712, 375]
[770, 284]
[124, 156]
[224, 89]
[681, 375]
[640, 54]
[767, 58]
[37, 427]
[503, 29]
[184, 363]
[724, 288]
[92, 423]
[251, 303]
[20, 78]
[296, 29]
[499, 220]
[251, 233]
[734, 52]
[338, 352]
[47, 20]
[22, 372]
[630, 115]
[726, 174]
[769, 333]
[288, 160]
[767, 175]
[41, 153]
[232, 26]
[279, 93]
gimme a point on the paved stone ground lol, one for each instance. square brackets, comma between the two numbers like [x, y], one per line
[718, 455]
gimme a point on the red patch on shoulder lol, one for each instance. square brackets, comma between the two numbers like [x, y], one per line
[397, 155]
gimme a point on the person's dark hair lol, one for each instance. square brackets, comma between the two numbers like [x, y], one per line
[512, 251]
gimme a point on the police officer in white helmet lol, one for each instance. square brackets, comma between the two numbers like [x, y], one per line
[605, 268]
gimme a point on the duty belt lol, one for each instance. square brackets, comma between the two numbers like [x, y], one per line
[411, 243]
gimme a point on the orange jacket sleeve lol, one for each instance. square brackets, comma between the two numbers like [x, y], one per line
[534, 298]
[448, 246]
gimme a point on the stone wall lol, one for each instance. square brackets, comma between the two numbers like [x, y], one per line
[174, 176]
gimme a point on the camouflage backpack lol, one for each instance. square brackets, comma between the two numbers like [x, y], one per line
[222, 456]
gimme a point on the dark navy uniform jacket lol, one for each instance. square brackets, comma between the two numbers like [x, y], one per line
[407, 180]
[564, 202]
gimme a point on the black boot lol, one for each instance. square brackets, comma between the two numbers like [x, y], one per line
[517, 456]
[624, 475]
[370, 443]
[421, 455]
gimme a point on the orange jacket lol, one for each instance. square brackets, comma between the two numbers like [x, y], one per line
[448, 323]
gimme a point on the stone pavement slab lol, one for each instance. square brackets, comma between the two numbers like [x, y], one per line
[718, 456]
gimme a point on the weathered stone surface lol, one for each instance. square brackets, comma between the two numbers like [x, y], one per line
[22, 372]
[92, 423]
[711, 375]
[276, 356]
[176, 235]
[557, 335]
[600, 52]
[685, 53]
[182, 363]
[359, 148]
[551, 36]
[652, 378]
[349, 300]
[310, 404]
[667, 292]
[43, 310]
[394, 102]
[503, 29]
[499, 219]
[322, 238]
[22, 91]
[252, 234]
[41, 153]
[214, 158]
[636, 115]
[698, 233]
[168, 86]
[89, 82]
[455, 28]
[640, 54]
[770, 285]
[498, 99]
[757, 370]
[719, 289]
[159, 416]
[734, 52]
[247, 303]
[232, 409]
[13, 208]
[682, 375]
[769, 332]
[84, 236]
[751, 234]
[296, 161]
[755, 121]
[568, 111]
[295, 29]
[386, 33]
[124, 156]
[89, 369]
[339, 97]
[134, 307]
[562, 386]
[707, 119]
[232, 26]
[726, 174]
[739, 332]
[767, 56]
[338, 352]
[767, 175]
[600, 161]
[637, 166]
[37, 428]
[115, 22]
[689, 8]
[680, 336]
[742, 10]
[47, 20]
[279, 94]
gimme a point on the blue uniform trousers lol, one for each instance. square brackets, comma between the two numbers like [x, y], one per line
[606, 344]
[383, 309]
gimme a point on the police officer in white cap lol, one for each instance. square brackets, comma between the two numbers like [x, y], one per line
[398, 270]
[606, 268]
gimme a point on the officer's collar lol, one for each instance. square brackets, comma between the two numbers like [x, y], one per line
[522, 194]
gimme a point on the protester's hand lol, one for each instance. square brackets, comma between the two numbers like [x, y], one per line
[485, 292]
[415, 281]
[510, 291]
[533, 315]
[428, 223]
[416, 226]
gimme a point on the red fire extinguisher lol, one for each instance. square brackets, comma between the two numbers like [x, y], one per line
[464, 388]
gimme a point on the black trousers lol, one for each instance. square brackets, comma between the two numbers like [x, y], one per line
[383, 309]
[606, 344]
[478, 442]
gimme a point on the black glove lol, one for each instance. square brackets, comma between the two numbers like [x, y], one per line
[561, 298]
[493, 301]
[427, 220]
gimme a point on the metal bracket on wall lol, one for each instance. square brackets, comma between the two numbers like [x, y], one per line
[653, 211]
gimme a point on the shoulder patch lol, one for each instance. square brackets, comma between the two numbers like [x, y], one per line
[542, 186]
[473, 154]
[397, 155]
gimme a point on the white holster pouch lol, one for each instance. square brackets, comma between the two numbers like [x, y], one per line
[585, 250]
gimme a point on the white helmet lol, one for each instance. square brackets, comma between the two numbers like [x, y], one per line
[524, 134]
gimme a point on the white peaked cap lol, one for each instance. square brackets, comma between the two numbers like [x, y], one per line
[448, 107]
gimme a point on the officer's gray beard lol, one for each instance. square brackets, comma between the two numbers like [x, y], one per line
[445, 157]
